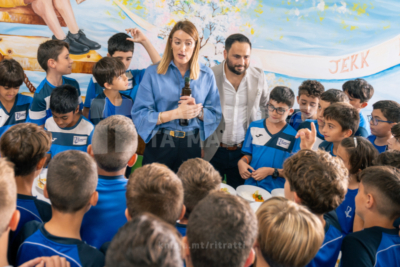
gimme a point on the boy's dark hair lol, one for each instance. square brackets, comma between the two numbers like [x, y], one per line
[334, 96]
[64, 99]
[396, 130]
[282, 94]
[221, 218]
[361, 153]
[146, 240]
[237, 37]
[319, 179]
[389, 108]
[388, 158]
[25, 144]
[118, 42]
[11, 73]
[345, 114]
[106, 69]
[311, 88]
[383, 183]
[359, 89]
[50, 49]
[71, 180]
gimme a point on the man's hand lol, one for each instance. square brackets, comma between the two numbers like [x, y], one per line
[137, 35]
[262, 173]
[244, 169]
[307, 137]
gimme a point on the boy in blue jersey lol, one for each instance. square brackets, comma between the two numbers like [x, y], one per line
[341, 121]
[53, 57]
[378, 204]
[71, 188]
[319, 182]
[121, 46]
[359, 92]
[14, 107]
[308, 99]
[199, 178]
[269, 142]
[70, 130]
[110, 74]
[113, 148]
[385, 114]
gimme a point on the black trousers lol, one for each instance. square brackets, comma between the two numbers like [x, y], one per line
[226, 163]
[172, 151]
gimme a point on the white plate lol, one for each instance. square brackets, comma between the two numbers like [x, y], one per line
[255, 205]
[278, 192]
[231, 190]
[247, 191]
[36, 190]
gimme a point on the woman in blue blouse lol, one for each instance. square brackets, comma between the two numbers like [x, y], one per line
[159, 104]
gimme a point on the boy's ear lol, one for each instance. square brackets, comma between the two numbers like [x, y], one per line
[128, 217]
[132, 160]
[370, 201]
[51, 63]
[94, 198]
[297, 99]
[14, 220]
[182, 213]
[45, 193]
[250, 258]
[108, 86]
[77, 109]
[296, 198]
[290, 111]
[363, 105]
[41, 163]
[108, 55]
[90, 150]
[348, 133]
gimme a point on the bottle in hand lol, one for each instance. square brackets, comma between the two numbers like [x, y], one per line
[186, 91]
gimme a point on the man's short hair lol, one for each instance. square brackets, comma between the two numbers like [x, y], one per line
[146, 240]
[11, 73]
[199, 178]
[71, 180]
[64, 99]
[227, 224]
[8, 194]
[389, 108]
[106, 69]
[118, 42]
[238, 37]
[388, 158]
[359, 89]
[289, 234]
[345, 114]
[25, 144]
[334, 96]
[318, 179]
[383, 182]
[155, 189]
[311, 88]
[282, 94]
[396, 130]
[114, 142]
[50, 49]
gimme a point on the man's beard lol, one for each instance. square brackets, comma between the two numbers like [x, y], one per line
[232, 67]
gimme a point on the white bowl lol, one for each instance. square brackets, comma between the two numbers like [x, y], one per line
[246, 192]
[278, 192]
[255, 205]
[231, 190]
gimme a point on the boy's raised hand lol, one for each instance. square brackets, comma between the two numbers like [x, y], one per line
[137, 35]
[307, 137]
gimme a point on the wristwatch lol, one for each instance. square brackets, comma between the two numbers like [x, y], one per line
[275, 174]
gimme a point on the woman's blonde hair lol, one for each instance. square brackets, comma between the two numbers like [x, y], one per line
[194, 65]
[289, 234]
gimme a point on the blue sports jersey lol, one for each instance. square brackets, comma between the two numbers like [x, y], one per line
[328, 253]
[268, 150]
[40, 108]
[363, 127]
[134, 78]
[103, 108]
[375, 246]
[18, 113]
[77, 137]
[181, 229]
[307, 125]
[381, 149]
[328, 147]
[102, 221]
[346, 211]
[296, 120]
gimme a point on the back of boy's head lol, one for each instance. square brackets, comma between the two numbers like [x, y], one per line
[383, 182]
[145, 241]
[318, 179]
[199, 178]
[282, 94]
[118, 42]
[155, 189]
[311, 88]
[106, 69]
[11, 73]
[345, 114]
[361, 152]
[64, 99]
[289, 234]
[221, 218]
[396, 130]
[359, 89]
[334, 96]
[389, 108]
[388, 158]
[8, 194]
[71, 180]
[25, 144]
[114, 142]
[50, 50]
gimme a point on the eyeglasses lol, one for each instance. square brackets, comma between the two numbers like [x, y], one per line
[376, 121]
[280, 111]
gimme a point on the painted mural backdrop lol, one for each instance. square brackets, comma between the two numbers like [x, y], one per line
[293, 40]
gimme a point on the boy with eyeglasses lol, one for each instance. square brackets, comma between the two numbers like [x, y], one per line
[385, 115]
[269, 142]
